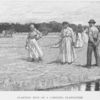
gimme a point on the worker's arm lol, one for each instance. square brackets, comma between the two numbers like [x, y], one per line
[39, 34]
[91, 37]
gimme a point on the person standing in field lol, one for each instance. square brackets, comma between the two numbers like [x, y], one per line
[85, 37]
[34, 50]
[93, 43]
[79, 42]
[66, 44]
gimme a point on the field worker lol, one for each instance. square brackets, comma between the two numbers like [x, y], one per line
[85, 37]
[35, 52]
[66, 44]
[79, 42]
[93, 43]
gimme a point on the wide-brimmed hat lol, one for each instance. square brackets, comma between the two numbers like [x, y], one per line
[92, 21]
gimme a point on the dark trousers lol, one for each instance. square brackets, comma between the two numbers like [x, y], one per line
[92, 48]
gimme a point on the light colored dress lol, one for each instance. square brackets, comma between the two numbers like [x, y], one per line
[85, 37]
[34, 50]
[67, 52]
[79, 42]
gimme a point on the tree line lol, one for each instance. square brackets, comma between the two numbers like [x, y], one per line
[52, 26]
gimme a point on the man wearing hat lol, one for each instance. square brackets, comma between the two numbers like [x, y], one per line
[93, 42]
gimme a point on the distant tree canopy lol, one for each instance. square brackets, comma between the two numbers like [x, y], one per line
[45, 28]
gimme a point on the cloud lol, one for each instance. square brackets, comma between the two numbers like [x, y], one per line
[46, 10]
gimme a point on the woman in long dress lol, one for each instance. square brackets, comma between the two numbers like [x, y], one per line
[66, 44]
[79, 42]
[34, 50]
[85, 36]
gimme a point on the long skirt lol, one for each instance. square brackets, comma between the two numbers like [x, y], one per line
[85, 37]
[67, 52]
[34, 50]
[79, 42]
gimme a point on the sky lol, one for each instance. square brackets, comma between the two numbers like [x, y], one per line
[25, 11]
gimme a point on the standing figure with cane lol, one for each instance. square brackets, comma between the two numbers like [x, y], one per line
[66, 44]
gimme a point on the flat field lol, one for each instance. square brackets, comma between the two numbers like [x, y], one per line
[17, 73]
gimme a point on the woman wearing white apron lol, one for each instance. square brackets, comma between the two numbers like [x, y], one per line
[66, 44]
[34, 50]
